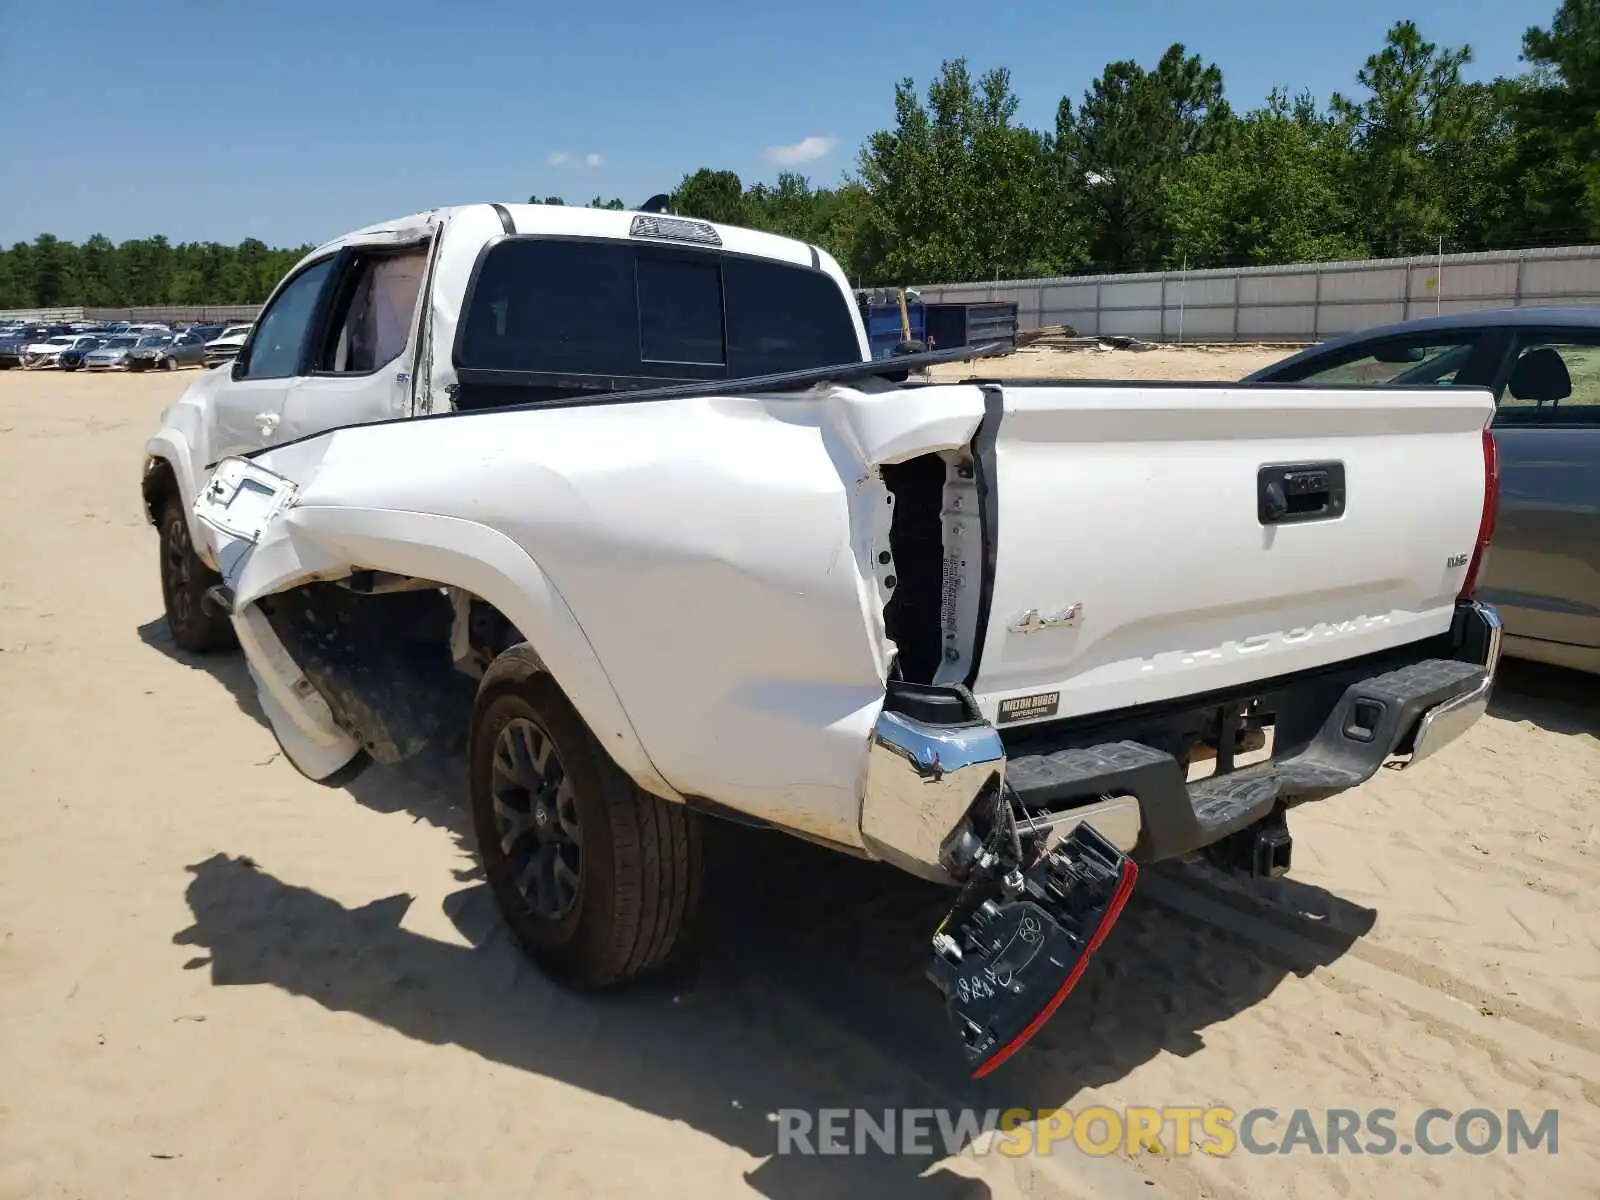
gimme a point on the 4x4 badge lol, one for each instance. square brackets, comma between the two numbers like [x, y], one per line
[1031, 621]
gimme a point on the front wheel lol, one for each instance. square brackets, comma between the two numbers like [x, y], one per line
[184, 580]
[169, 364]
[598, 879]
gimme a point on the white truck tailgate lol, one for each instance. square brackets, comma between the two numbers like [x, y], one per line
[1133, 562]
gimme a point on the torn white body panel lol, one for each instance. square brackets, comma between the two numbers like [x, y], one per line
[301, 719]
[710, 579]
[700, 576]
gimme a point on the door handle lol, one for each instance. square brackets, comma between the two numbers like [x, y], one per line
[1290, 493]
[268, 421]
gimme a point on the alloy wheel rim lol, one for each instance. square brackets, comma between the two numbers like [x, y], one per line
[176, 562]
[536, 819]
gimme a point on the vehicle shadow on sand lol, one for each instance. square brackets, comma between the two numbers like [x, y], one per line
[426, 786]
[1556, 699]
[806, 990]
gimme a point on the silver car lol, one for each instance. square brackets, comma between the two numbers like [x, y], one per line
[113, 356]
[1543, 366]
[168, 353]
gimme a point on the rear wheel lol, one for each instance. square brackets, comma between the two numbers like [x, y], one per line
[184, 580]
[597, 879]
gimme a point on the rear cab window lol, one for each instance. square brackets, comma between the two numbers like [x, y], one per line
[551, 317]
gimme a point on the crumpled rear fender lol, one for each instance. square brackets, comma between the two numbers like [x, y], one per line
[706, 578]
[309, 542]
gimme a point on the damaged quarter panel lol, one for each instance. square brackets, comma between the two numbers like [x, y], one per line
[702, 576]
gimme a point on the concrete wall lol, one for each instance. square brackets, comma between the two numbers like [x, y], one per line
[158, 313]
[1299, 303]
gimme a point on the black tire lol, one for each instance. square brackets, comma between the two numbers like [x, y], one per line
[633, 862]
[184, 580]
[169, 364]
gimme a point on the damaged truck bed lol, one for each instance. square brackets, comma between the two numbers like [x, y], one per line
[891, 619]
[1011, 637]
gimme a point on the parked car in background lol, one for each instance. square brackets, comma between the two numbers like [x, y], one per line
[171, 352]
[14, 347]
[1543, 366]
[225, 346]
[48, 353]
[113, 356]
[72, 360]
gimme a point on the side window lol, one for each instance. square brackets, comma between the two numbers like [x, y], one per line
[1411, 363]
[281, 333]
[373, 309]
[1556, 381]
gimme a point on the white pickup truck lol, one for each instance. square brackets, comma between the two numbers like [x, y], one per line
[619, 495]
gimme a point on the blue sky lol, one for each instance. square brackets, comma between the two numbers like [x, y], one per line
[294, 121]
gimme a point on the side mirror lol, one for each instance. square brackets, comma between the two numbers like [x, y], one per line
[236, 371]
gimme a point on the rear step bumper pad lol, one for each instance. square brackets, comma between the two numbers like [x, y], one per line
[925, 771]
[1400, 715]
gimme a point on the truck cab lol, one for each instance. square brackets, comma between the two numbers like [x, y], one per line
[368, 327]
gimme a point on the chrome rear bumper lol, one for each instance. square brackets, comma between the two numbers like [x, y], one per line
[1442, 725]
[921, 780]
[922, 777]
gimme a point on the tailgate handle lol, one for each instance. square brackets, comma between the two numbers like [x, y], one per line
[1288, 493]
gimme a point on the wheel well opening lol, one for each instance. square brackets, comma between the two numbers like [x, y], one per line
[160, 484]
[397, 659]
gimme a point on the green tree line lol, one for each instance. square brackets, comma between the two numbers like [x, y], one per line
[51, 273]
[1150, 168]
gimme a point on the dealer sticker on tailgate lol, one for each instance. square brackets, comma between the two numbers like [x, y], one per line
[1027, 708]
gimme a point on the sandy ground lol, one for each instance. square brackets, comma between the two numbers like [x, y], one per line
[217, 978]
[1209, 362]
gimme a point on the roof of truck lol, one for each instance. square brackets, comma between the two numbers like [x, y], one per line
[561, 220]
[469, 228]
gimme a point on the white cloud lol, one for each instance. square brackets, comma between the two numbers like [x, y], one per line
[807, 149]
[556, 157]
[593, 160]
